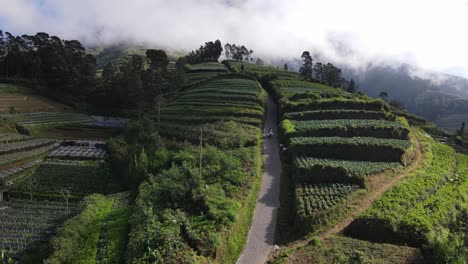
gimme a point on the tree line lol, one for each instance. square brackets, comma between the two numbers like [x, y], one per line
[324, 73]
[211, 51]
[63, 70]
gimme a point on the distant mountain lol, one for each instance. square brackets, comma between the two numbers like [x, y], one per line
[435, 96]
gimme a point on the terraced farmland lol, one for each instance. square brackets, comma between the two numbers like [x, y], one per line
[24, 145]
[316, 197]
[51, 178]
[311, 169]
[198, 72]
[213, 105]
[335, 141]
[289, 88]
[47, 118]
[258, 70]
[339, 114]
[349, 128]
[23, 100]
[408, 212]
[11, 158]
[9, 172]
[21, 154]
[25, 225]
[206, 66]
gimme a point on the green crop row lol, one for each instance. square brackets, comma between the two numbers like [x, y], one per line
[24, 145]
[335, 103]
[431, 212]
[223, 90]
[202, 113]
[349, 128]
[339, 114]
[311, 198]
[222, 134]
[355, 148]
[211, 105]
[205, 66]
[10, 138]
[200, 120]
[316, 170]
[83, 179]
[198, 76]
[395, 216]
[219, 97]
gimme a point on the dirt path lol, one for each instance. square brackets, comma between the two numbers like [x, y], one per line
[261, 236]
[375, 194]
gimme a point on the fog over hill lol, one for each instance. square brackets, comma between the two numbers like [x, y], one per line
[373, 41]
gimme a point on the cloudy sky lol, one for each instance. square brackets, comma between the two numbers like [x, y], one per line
[428, 33]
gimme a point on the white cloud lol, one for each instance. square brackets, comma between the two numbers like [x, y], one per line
[430, 33]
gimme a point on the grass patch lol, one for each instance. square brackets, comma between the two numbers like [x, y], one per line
[76, 242]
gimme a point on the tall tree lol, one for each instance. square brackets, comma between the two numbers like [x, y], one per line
[158, 60]
[383, 95]
[211, 51]
[318, 71]
[351, 87]
[285, 67]
[259, 62]
[307, 63]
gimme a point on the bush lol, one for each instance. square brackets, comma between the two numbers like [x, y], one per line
[315, 241]
[287, 127]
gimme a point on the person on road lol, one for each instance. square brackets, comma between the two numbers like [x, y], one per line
[270, 132]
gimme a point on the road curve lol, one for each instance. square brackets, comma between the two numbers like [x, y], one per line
[261, 236]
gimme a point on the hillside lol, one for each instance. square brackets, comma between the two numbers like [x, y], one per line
[191, 174]
[342, 153]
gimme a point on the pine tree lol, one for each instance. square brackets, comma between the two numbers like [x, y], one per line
[306, 69]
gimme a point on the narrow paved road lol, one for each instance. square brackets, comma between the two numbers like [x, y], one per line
[262, 231]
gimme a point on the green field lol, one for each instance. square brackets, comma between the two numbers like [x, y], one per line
[347, 128]
[411, 210]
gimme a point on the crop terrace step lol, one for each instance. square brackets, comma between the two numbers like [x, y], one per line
[9, 172]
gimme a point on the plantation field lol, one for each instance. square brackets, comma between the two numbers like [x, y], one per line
[78, 132]
[348, 128]
[218, 102]
[312, 198]
[339, 114]
[47, 118]
[26, 225]
[337, 143]
[347, 250]
[28, 104]
[353, 148]
[309, 169]
[12, 171]
[288, 88]
[259, 71]
[411, 210]
[334, 104]
[19, 99]
[206, 66]
[79, 178]
[199, 76]
[10, 138]
[18, 156]
[25, 145]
